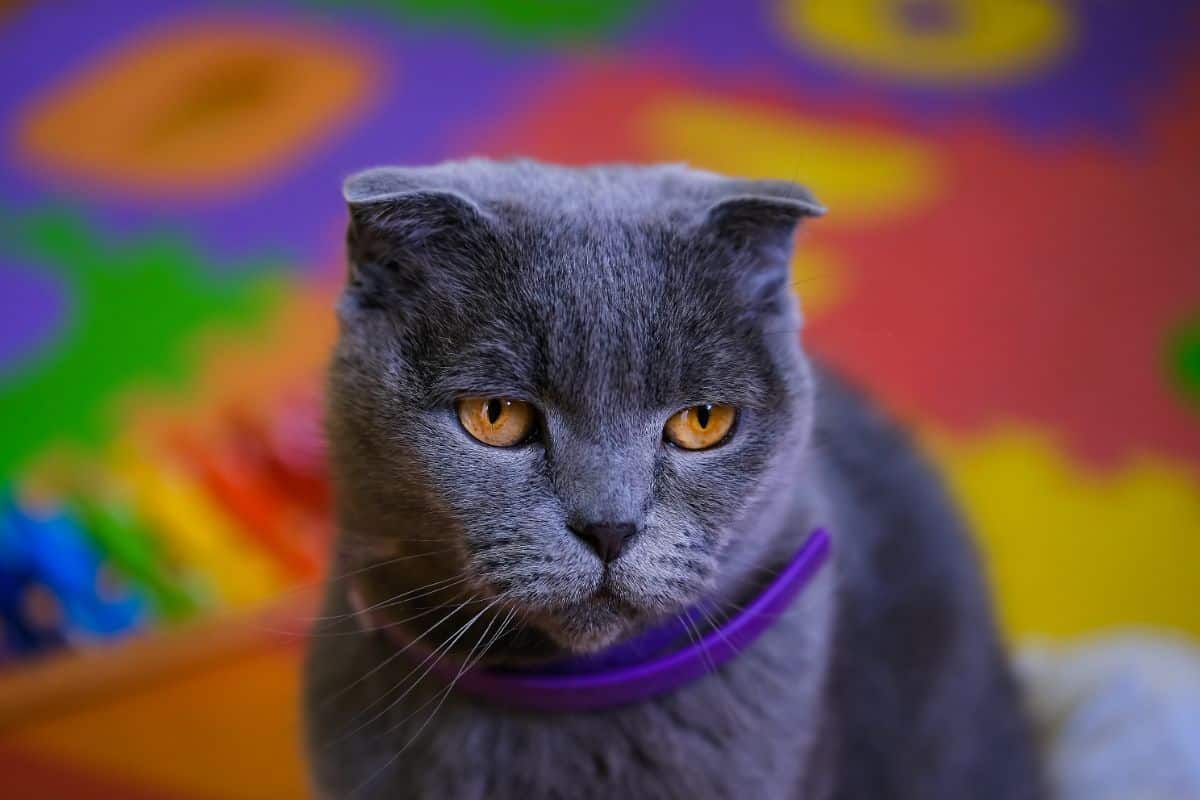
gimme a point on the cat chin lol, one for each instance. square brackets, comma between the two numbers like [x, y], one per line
[588, 626]
[587, 642]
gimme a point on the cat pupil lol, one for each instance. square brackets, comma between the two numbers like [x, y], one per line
[702, 415]
[493, 410]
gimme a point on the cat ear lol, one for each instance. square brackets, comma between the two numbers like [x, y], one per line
[750, 229]
[406, 232]
[760, 213]
[409, 207]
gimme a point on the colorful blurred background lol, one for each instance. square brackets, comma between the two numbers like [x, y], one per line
[1011, 261]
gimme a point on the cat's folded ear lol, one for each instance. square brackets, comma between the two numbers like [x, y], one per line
[409, 205]
[409, 230]
[759, 213]
[747, 232]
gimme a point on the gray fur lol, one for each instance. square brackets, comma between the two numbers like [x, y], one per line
[611, 298]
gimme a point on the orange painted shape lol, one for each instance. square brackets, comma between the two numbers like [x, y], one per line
[30, 776]
[201, 107]
[230, 732]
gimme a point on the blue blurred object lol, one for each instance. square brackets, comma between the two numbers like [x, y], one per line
[19, 634]
[44, 546]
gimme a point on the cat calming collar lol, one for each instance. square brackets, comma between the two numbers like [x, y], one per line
[633, 670]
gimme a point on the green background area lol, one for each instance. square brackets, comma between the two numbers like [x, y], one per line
[135, 308]
[1183, 356]
[538, 21]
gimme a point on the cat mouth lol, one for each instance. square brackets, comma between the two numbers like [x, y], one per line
[607, 601]
[608, 594]
[604, 588]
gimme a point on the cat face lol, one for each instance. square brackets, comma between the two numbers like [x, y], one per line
[576, 382]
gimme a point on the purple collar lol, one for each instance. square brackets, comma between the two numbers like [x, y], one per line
[637, 670]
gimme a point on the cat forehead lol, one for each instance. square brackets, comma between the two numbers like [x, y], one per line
[607, 320]
[604, 351]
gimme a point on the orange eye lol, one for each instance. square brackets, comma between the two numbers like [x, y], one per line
[700, 427]
[496, 420]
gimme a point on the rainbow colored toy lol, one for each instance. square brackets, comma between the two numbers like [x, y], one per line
[45, 543]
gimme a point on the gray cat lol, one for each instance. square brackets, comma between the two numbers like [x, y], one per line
[568, 404]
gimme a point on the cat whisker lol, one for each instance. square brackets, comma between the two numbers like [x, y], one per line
[413, 594]
[773, 617]
[360, 630]
[321, 583]
[468, 664]
[392, 538]
[432, 660]
[401, 651]
[731, 708]
[388, 562]
[435, 653]
[696, 639]
[717, 627]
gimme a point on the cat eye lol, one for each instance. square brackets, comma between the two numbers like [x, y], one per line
[497, 421]
[700, 427]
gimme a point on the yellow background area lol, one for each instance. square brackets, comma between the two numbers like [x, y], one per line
[1075, 551]
[979, 41]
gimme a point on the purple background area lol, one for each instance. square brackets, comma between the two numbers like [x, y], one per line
[440, 86]
[433, 86]
[34, 311]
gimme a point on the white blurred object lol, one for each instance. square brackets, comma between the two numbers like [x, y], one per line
[1118, 716]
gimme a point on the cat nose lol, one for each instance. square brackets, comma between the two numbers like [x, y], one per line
[606, 538]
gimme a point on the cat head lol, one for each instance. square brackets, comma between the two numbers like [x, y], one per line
[570, 383]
